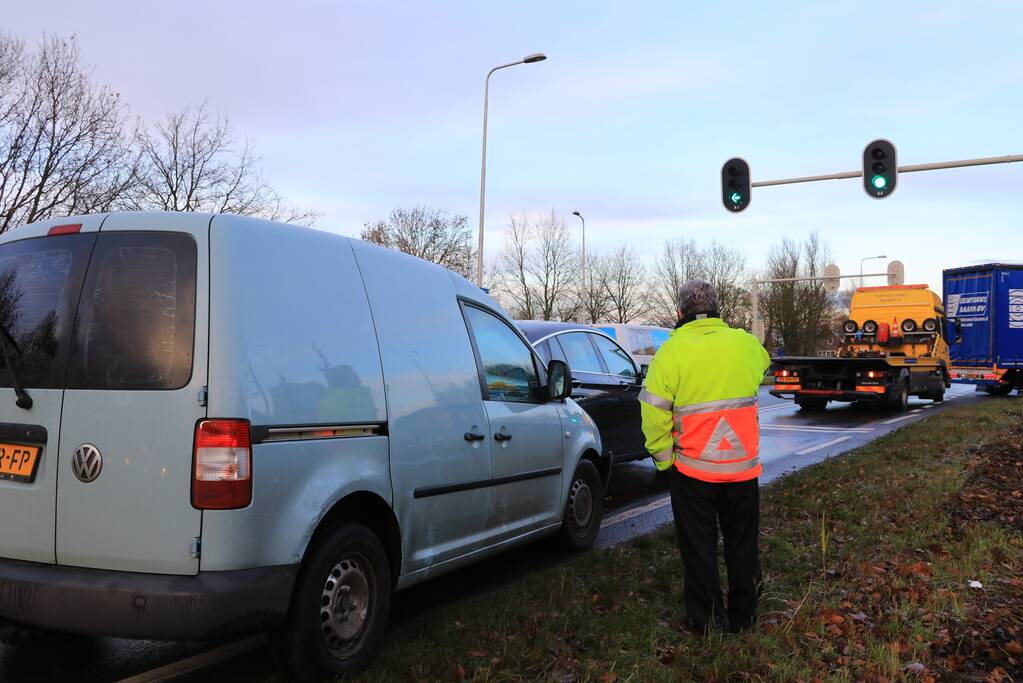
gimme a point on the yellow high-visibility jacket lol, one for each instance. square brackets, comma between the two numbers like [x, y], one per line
[699, 402]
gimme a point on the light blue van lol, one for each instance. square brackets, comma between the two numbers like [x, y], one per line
[214, 424]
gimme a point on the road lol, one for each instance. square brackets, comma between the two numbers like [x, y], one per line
[637, 503]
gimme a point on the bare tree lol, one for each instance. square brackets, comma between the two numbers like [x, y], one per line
[540, 269]
[430, 234]
[62, 146]
[798, 314]
[678, 261]
[725, 268]
[193, 162]
[515, 281]
[624, 276]
[593, 291]
[681, 260]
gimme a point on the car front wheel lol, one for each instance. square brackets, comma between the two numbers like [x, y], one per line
[585, 507]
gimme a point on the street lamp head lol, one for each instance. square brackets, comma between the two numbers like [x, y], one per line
[535, 57]
[576, 213]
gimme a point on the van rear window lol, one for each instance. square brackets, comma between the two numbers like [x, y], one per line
[40, 280]
[136, 320]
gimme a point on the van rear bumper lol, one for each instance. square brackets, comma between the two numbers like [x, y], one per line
[135, 605]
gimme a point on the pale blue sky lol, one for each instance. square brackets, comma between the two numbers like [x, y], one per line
[358, 107]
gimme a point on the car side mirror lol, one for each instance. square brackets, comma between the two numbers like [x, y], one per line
[559, 380]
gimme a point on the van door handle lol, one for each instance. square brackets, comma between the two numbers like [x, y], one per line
[502, 436]
[475, 435]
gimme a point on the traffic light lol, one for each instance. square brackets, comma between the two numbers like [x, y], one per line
[735, 185]
[880, 169]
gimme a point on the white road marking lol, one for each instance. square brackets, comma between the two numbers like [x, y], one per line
[917, 410]
[636, 512]
[197, 662]
[930, 406]
[812, 449]
[776, 407]
[897, 419]
[819, 430]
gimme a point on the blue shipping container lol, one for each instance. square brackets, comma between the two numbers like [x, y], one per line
[987, 301]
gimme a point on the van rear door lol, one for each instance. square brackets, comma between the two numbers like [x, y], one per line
[135, 372]
[40, 282]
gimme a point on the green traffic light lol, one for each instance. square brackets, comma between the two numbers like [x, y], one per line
[879, 181]
[735, 197]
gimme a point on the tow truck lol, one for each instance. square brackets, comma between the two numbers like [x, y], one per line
[893, 347]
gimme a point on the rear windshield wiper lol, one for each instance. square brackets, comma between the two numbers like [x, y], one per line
[6, 343]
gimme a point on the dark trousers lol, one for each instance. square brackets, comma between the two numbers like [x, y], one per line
[699, 507]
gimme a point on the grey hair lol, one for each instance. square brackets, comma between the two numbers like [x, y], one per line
[696, 297]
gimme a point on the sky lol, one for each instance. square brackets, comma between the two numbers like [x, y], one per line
[358, 107]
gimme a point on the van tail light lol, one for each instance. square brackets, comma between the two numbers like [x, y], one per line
[68, 229]
[222, 465]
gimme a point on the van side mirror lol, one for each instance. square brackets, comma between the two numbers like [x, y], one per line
[559, 380]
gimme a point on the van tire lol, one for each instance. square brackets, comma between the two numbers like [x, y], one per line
[584, 508]
[353, 552]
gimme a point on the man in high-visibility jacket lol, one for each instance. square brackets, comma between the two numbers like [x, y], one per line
[699, 406]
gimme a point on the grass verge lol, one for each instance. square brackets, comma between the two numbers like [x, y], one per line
[901, 560]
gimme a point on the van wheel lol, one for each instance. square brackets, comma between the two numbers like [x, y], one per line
[585, 507]
[340, 606]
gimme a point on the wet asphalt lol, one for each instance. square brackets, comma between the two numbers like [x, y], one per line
[637, 504]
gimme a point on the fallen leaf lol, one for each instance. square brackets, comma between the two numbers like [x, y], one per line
[1013, 647]
[459, 673]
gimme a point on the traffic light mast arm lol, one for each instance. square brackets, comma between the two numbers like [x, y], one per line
[983, 161]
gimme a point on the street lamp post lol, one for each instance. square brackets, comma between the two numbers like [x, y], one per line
[867, 258]
[528, 59]
[585, 285]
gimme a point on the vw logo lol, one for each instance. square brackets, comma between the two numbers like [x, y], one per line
[86, 463]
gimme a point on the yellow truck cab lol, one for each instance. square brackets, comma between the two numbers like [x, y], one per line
[892, 349]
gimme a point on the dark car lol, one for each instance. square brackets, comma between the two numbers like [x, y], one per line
[606, 381]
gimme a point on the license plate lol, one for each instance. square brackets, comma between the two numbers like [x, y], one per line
[18, 462]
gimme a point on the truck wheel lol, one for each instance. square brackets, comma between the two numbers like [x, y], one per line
[339, 608]
[999, 390]
[585, 507]
[939, 394]
[900, 401]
